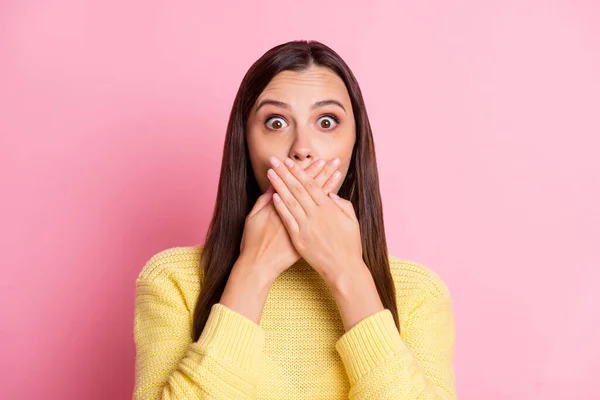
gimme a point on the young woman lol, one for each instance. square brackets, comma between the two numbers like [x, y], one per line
[294, 295]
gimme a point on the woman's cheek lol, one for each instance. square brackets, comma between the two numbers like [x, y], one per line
[263, 180]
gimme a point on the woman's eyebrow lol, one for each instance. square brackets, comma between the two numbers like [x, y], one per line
[281, 104]
[324, 103]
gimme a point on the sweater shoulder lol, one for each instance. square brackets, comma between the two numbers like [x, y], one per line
[414, 275]
[180, 263]
[416, 286]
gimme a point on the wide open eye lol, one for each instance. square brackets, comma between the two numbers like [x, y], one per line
[276, 122]
[327, 122]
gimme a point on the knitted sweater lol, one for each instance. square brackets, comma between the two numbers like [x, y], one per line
[299, 350]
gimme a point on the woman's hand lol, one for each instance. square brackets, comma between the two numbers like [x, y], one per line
[265, 241]
[323, 227]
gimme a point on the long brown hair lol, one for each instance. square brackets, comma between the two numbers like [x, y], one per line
[361, 185]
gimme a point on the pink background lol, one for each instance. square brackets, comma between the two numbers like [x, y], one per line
[486, 116]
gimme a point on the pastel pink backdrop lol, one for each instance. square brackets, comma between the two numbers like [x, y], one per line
[486, 121]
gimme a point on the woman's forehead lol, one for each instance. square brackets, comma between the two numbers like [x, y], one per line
[307, 84]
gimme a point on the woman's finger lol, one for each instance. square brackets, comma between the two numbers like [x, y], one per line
[312, 170]
[293, 193]
[315, 168]
[325, 178]
[286, 216]
[262, 201]
[311, 187]
[332, 182]
[345, 205]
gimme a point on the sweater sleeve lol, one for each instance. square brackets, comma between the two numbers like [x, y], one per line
[381, 363]
[222, 364]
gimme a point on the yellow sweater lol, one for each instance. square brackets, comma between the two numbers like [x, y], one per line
[299, 350]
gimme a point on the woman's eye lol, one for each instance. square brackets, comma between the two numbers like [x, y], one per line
[327, 122]
[276, 123]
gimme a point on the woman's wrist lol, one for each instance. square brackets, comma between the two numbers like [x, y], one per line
[246, 290]
[262, 274]
[356, 295]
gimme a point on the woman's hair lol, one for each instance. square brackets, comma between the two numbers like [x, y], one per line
[238, 189]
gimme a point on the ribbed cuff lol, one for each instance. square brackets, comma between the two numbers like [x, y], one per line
[233, 337]
[369, 343]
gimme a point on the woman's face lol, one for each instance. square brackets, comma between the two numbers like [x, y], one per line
[305, 116]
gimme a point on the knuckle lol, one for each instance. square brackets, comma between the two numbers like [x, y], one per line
[312, 185]
[292, 203]
[300, 245]
[314, 168]
[319, 180]
[295, 187]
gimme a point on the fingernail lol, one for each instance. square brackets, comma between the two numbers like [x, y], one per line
[272, 174]
[336, 175]
[336, 162]
[320, 163]
[289, 162]
[274, 162]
